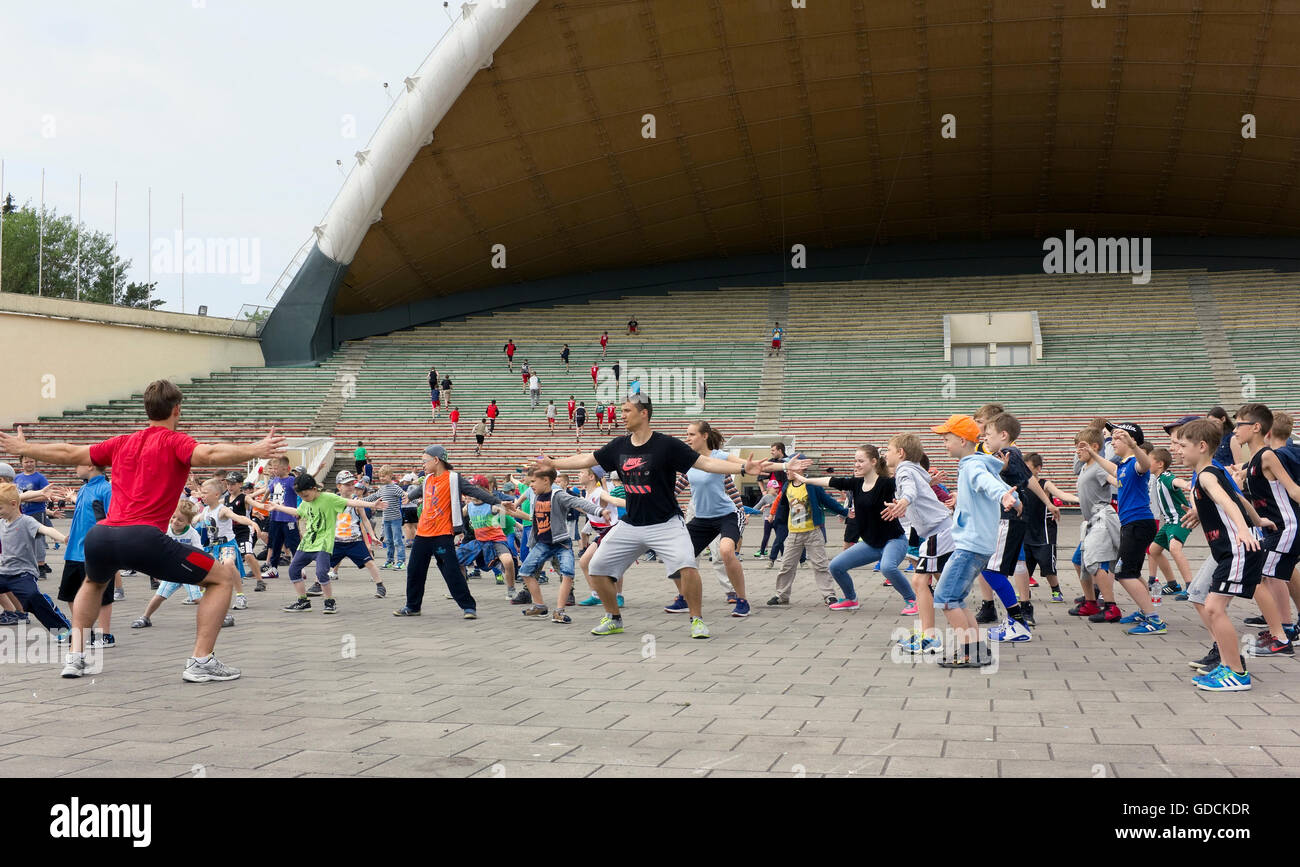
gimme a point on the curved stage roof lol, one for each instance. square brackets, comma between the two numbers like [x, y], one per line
[775, 125]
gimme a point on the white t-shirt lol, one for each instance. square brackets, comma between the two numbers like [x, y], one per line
[600, 523]
[189, 537]
[550, 410]
[533, 384]
[225, 528]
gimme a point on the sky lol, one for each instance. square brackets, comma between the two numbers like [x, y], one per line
[242, 107]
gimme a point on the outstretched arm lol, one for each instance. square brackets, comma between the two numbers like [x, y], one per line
[63, 454]
[226, 454]
[573, 462]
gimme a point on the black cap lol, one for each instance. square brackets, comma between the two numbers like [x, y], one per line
[1169, 428]
[1129, 428]
[234, 477]
[304, 482]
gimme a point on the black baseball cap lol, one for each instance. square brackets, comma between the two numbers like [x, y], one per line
[232, 477]
[305, 482]
[1169, 428]
[1129, 428]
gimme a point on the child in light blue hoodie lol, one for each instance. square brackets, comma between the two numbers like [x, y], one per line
[980, 494]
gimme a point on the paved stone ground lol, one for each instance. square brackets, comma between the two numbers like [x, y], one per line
[789, 691]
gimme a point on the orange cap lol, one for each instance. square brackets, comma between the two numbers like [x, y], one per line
[962, 425]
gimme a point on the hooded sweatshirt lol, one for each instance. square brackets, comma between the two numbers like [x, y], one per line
[925, 513]
[979, 487]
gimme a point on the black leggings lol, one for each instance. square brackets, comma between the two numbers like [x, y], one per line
[443, 550]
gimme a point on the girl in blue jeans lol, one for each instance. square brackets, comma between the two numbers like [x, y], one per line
[872, 488]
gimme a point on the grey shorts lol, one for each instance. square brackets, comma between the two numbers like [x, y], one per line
[625, 542]
[1199, 590]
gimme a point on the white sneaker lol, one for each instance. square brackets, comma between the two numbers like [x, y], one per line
[1009, 630]
[334, 575]
[229, 620]
[75, 665]
[241, 602]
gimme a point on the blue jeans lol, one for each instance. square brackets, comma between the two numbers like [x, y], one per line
[541, 552]
[394, 542]
[958, 576]
[861, 554]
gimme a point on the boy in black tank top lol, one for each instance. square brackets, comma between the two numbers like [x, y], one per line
[1273, 494]
[1234, 548]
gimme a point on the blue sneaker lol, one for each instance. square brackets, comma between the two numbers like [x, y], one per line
[917, 643]
[1223, 679]
[1152, 625]
[677, 606]
[470, 614]
[732, 598]
[593, 599]
[1131, 618]
[8, 618]
[1181, 597]
[620, 600]
[741, 609]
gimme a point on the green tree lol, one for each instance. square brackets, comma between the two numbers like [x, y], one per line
[103, 273]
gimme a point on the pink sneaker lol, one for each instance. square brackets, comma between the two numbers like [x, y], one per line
[845, 605]
[910, 609]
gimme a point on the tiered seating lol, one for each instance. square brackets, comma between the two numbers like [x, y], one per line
[1260, 311]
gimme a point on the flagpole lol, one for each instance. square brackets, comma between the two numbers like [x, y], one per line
[78, 236]
[40, 243]
[182, 252]
[3, 204]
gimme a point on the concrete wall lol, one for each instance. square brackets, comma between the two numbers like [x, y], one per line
[1004, 327]
[63, 355]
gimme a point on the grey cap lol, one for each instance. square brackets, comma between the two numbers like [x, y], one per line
[437, 451]
[344, 477]
[6, 471]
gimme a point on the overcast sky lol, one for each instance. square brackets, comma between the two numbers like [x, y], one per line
[241, 106]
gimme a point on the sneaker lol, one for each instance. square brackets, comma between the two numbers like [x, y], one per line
[1110, 614]
[64, 636]
[74, 665]
[141, 623]
[677, 606]
[331, 607]
[523, 597]
[1086, 608]
[1152, 625]
[732, 598]
[102, 639]
[758, 554]
[1058, 596]
[154, 585]
[983, 657]
[988, 613]
[334, 575]
[830, 600]
[1171, 589]
[560, 617]
[1223, 679]
[1207, 662]
[1010, 630]
[241, 602]
[469, 614]
[918, 643]
[188, 601]
[608, 626]
[536, 611]
[387, 565]
[777, 600]
[1181, 597]
[620, 600]
[1033, 582]
[698, 629]
[380, 590]
[213, 669]
[593, 599]
[8, 618]
[298, 605]
[399, 567]
[1291, 630]
[1027, 613]
[118, 594]
[571, 601]
[909, 609]
[1131, 618]
[741, 609]
[406, 612]
[314, 589]
[475, 574]
[1256, 621]
[260, 587]
[1270, 647]
[846, 605]
[127, 573]
[501, 579]
[228, 620]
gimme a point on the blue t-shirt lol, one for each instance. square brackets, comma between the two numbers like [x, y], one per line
[97, 490]
[281, 492]
[1134, 495]
[1223, 454]
[708, 494]
[31, 482]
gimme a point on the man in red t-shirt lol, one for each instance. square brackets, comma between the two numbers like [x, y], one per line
[572, 405]
[604, 343]
[491, 414]
[509, 350]
[150, 468]
[454, 417]
[595, 371]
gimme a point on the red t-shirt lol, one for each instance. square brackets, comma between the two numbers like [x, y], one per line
[150, 468]
[455, 416]
[594, 371]
[603, 341]
[492, 410]
[571, 406]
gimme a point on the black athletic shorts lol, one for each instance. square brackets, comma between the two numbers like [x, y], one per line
[851, 529]
[929, 562]
[705, 530]
[410, 515]
[1238, 575]
[1280, 566]
[1011, 536]
[74, 575]
[145, 549]
[1041, 556]
[1134, 539]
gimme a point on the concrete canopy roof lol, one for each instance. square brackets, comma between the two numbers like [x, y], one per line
[823, 126]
